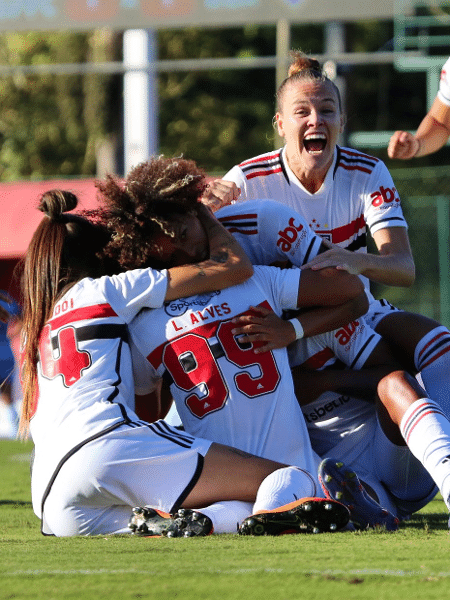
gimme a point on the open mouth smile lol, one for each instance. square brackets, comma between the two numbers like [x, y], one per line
[315, 143]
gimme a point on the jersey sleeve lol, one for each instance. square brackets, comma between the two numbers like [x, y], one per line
[129, 292]
[382, 201]
[444, 84]
[286, 234]
[353, 343]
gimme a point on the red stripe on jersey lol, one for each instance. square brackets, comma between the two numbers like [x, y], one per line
[359, 155]
[206, 331]
[242, 231]
[238, 218]
[346, 232]
[355, 168]
[97, 311]
[263, 173]
[318, 360]
[265, 158]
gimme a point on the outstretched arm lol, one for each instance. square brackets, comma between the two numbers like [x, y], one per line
[431, 136]
[394, 265]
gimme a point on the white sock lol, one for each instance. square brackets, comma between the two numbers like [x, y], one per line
[432, 359]
[427, 432]
[284, 486]
[228, 515]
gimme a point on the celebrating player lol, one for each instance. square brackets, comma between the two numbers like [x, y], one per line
[94, 459]
[433, 131]
[342, 192]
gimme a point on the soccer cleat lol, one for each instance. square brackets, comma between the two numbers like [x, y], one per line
[342, 484]
[189, 523]
[148, 522]
[307, 515]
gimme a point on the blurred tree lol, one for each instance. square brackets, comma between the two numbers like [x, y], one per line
[50, 124]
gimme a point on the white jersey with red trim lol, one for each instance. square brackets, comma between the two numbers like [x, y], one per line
[84, 370]
[358, 192]
[444, 84]
[270, 232]
[333, 417]
[224, 391]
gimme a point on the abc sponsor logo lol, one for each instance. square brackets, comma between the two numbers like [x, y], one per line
[344, 335]
[289, 235]
[384, 196]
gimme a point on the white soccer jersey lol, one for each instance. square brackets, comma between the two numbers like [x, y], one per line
[444, 84]
[84, 372]
[333, 417]
[358, 192]
[270, 232]
[224, 391]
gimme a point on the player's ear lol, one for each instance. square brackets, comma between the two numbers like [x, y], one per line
[278, 123]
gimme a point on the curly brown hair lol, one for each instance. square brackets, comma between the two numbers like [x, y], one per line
[143, 205]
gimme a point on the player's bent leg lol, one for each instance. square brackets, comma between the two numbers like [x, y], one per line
[404, 332]
[229, 474]
[342, 484]
[307, 515]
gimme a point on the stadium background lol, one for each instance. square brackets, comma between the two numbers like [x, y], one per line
[386, 57]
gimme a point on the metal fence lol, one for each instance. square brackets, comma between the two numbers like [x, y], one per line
[425, 195]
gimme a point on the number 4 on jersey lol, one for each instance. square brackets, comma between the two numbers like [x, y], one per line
[71, 361]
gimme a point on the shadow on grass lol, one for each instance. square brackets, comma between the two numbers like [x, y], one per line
[425, 520]
[16, 503]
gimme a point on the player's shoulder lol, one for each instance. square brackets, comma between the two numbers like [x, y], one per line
[271, 156]
[356, 164]
[251, 208]
[269, 163]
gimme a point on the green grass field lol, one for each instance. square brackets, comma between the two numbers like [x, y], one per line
[410, 564]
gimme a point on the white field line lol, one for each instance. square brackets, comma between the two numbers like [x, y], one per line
[350, 572]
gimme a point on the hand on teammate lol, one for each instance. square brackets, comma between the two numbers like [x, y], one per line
[220, 193]
[264, 327]
[339, 258]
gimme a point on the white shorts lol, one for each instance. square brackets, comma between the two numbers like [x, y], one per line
[137, 465]
[402, 483]
[378, 309]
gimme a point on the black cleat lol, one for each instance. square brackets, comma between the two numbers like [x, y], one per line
[189, 523]
[342, 484]
[307, 515]
[148, 522]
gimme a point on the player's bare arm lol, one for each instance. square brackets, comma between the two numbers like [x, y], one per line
[431, 136]
[325, 310]
[227, 265]
[394, 265]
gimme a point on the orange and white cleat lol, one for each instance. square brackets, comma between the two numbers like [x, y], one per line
[307, 515]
